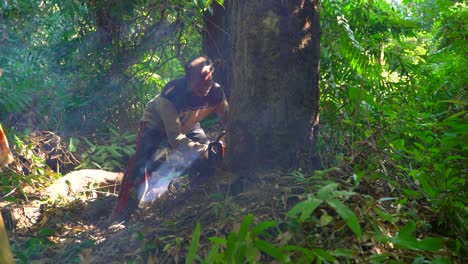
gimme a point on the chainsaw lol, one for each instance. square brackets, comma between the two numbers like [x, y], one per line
[216, 150]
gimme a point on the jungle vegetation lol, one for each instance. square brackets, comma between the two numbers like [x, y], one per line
[389, 181]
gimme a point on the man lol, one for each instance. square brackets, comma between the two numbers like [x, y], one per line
[174, 114]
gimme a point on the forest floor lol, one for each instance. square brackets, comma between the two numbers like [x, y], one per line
[70, 221]
[80, 229]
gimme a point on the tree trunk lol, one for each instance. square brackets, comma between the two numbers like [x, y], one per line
[274, 99]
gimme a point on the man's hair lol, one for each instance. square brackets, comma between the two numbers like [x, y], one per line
[205, 61]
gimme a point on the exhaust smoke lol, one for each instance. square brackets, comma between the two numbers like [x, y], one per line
[174, 165]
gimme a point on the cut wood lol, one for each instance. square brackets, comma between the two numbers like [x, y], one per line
[82, 181]
[81, 184]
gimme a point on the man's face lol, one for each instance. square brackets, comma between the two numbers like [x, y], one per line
[201, 80]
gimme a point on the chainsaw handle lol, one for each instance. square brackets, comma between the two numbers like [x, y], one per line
[220, 136]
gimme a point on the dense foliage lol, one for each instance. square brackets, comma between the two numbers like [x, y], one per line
[393, 101]
[72, 65]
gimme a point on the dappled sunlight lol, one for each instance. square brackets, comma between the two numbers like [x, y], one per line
[305, 41]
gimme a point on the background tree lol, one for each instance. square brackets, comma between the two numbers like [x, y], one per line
[79, 64]
[217, 42]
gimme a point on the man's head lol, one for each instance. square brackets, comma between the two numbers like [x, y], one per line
[199, 73]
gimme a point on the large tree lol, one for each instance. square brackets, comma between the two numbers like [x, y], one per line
[273, 47]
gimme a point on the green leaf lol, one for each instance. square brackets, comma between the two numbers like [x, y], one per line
[405, 239]
[325, 219]
[385, 215]
[193, 245]
[230, 246]
[271, 250]
[245, 227]
[458, 114]
[72, 145]
[442, 260]
[347, 215]
[217, 240]
[307, 252]
[457, 102]
[322, 254]
[325, 191]
[46, 232]
[304, 208]
[343, 252]
[140, 235]
[259, 228]
[427, 187]
[419, 146]
[213, 255]
[379, 258]
[251, 254]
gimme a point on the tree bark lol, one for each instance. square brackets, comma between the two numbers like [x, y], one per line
[274, 99]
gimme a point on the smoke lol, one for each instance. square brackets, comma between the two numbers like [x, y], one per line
[174, 165]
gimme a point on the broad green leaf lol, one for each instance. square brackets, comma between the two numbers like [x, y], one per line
[271, 250]
[427, 187]
[231, 246]
[213, 255]
[385, 215]
[260, 227]
[46, 232]
[325, 219]
[192, 252]
[307, 252]
[410, 242]
[379, 258]
[421, 147]
[343, 252]
[442, 260]
[297, 209]
[405, 238]
[453, 102]
[354, 93]
[458, 114]
[347, 215]
[325, 192]
[322, 254]
[217, 240]
[72, 145]
[251, 254]
[245, 227]
[304, 208]
[408, 229]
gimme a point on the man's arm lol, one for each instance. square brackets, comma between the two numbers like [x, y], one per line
[173, 127]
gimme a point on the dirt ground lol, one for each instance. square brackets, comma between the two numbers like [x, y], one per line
[81, 229]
